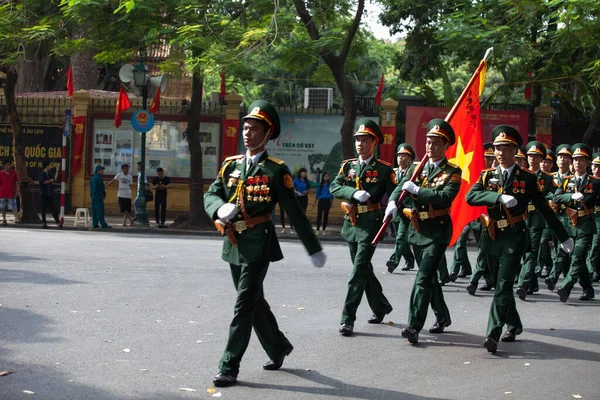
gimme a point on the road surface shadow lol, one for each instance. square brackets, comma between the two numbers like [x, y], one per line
[6, 257]
[40, 278]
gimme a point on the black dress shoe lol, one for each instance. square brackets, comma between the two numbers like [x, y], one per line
[408, 267]
[411, 334]
[346, 330]
[463, 273]
[491, 344]
[486, 288]
[562, 295]
[595, 277]
[511, 335]
[439, 326]
[390, 266]
[276, 363]
[550, 283]
[452, 277]
[521, 293]
[471, 289]
[377, 318]
[223, 379]
[586, 296]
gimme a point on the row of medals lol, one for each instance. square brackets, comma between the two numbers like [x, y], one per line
[258, 192]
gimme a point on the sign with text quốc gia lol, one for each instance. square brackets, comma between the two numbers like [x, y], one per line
[42, 143]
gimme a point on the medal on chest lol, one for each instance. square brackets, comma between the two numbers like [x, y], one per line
[257, 189]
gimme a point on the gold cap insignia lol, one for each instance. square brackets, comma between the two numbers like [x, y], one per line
[533, 148]
[256, 110]
[436, 128]
[402, 149]
[502, 135]
[362, 127]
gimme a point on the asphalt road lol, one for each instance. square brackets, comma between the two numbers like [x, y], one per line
[72, 302]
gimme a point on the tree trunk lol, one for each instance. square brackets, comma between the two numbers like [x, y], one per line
[347, 129]
[85, 71]
[28, 213]
[591, 137]
[196, 218]
[32, 67]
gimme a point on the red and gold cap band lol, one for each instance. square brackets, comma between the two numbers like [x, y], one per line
[437, 131]
[259, 114]
[404, 150]
[534, 150]
[503, 138]
[564, 151]
[596, 160]
[368, 131]
[489, 153]
[581, 153]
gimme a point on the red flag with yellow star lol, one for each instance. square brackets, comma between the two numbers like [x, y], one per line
[467, 152]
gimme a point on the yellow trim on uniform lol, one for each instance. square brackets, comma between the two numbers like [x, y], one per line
[276, 160]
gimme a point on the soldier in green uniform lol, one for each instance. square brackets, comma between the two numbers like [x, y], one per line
[527, 284]
[545, 259]
[430, 230]
[361, 184]
[405, 157]
[507, 192]
[561, 260]
[595, 252]
[521, 157]
[579, 193]
[241, 201]
[97, 194]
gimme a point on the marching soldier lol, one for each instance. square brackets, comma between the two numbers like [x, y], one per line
[595, 253]
[527, 284]
[431, 228]
[241, 201]
[521, 157]
[579, 193]
[562, 259]
[361, 183]
[545, 264]
[507, 191]
[405, 157]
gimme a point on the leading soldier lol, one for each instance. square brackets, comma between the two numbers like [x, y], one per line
[241, 201]
[507, 191]
[362, 183]
[594, 267]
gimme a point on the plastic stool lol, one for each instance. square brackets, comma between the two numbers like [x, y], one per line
[82, 216]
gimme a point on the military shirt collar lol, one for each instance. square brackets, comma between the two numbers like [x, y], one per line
[436, 163]
[367, 161]
[253, 158]
[509, 169]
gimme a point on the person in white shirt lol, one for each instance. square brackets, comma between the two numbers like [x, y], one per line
[125, 180]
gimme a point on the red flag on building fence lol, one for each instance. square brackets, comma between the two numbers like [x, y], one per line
[123, 104]
[223, 88]
[70, 86]
[527, 92]
[379, 92]
[155, 106]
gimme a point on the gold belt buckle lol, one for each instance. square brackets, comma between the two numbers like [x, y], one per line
[581, 213]
[502, 223]
[362, 209]
[530, 207]
[240, 226]
[597, 209]
[423, 215]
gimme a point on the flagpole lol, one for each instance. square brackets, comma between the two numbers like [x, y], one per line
[425, 158]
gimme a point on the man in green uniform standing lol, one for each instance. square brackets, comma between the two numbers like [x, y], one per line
[545, 259]
[562, 260]
[405, 157]
[594, 267]
[430, 231]
[241, 201]
[527, 284]
[361, 183]
[97, 194]
[507, 192]
[579, 193]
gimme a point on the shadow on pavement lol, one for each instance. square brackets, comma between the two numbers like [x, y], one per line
[15, 258]
[579, 335]
[22, 276]
[335, 387]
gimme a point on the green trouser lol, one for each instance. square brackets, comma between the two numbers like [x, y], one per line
[527, 277]
[481, 270]
[443, 274]
[363, 280]
[578, 270]
[461, 256]
[594, 265]
[251, 310]
[504, 308]
[545, 250]
[561, 264]
[402, 248]
[98, 212]
[426, 289]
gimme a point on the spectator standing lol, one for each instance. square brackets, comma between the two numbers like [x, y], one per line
[323, 200]
[46, 183]
[98, 193]
[8, 181]
[139, 180]
[124, 194]
[301, 187]
[160, 184]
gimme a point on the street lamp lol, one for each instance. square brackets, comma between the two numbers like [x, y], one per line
[140, 78]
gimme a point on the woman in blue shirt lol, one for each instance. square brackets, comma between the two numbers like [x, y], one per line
[323, 199]
[301, 187]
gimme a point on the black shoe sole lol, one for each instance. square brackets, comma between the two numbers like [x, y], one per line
[550, 284]
[412, 339]
[275, 366]
[490, 346]
[521, 293]
[472, 290]
[562, 295]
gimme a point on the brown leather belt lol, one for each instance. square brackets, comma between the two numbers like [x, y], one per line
[367, 208]
[423, 215]
[511, 221]
[241, 226]
[531, 208]
[581, 213]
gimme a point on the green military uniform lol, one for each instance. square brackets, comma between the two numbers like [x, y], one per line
[535, 225]
[97, 194]
[581, 213]
[255, 189]
[438, 185]
[461, 266]
[594, 265]
[509, 228]
[377, 178]
[545, 255]
[562, 260]
[400, 222]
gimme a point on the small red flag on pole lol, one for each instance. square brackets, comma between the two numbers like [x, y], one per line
[527, 92]
[123, 104]
[155, 106]
[70, 86]
[223, 87]
[379, 92]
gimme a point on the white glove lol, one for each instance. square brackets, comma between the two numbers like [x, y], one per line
[508, 200]
[318, 259]
[361, 196]
[391, 209]
[577, 196]
[411, 187]
[568, 245]
[227, 211]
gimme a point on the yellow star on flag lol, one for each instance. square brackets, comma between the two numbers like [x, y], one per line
[463, 160]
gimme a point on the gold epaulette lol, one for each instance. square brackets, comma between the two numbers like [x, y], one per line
[276, 160]
[488, 169]
[548, 174]
[567, 177]
[385, 163]
[236, 157]
[452, 165]
[528, 171]
[593, 177]
[417, 163]
[344, 164]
